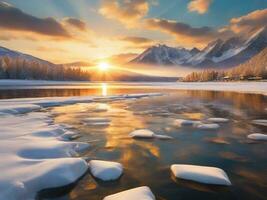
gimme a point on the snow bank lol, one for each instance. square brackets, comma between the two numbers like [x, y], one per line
[257, 136]
[262, 122]
[142, 133]
[218, 120]
[140, 193]
[34, 157]
[201, 174]
[105, 170]
[18, 109]
[208, 126]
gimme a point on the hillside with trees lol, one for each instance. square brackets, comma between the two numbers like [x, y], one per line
[253, 69]
[17, 68]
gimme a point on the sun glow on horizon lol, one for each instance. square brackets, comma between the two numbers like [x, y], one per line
[103, 66]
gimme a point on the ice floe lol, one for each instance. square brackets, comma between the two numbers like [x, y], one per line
[105, 170]
[262, 122]
[148, 134]
[257, 136]
[142, 133]
[218, 120]
[140, 193]
[201, 174]
[97, 121]
[163, 137]
[208, 126]
[186, 123]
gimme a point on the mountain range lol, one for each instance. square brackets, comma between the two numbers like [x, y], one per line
[218, 53]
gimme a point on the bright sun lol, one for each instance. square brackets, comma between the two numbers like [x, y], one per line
[103, 66]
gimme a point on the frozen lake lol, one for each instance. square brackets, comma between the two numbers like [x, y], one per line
[106, 122]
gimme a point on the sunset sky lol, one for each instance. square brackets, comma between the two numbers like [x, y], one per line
[64, 31]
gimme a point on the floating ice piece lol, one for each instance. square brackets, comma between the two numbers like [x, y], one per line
[101, 108]
[142, 133]
[257, 136]
[69, 135]
[262, 122]
[201, 174]
[185, 123]
[208, 126]
[96, 120]
[163, 137]
[105, 170]
[218, 120]
[140, 193]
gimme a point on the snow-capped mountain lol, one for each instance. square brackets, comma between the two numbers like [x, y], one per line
[15, 56]
[219, 53]
[164, 55]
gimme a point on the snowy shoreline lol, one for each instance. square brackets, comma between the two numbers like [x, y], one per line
[242, 87]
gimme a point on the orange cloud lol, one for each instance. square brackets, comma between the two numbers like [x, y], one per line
[127, 12]
[137, 40]
[200, 6]
[249, 22]
[77, 23]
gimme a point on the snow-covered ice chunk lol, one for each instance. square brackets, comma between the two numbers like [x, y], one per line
[18, 109]
[208, 126]
[105, 170]
[140, 193]
[201, 174]
[262, 122]
[142, 133]
[218, 120]
[69, 135]
[163, 137]
[33, 148]
[185, 123]
[257, 136]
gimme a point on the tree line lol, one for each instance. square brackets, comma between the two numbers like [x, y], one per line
[254, 69]
[11, 68]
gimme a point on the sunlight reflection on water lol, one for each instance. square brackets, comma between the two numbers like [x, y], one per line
[146, 162]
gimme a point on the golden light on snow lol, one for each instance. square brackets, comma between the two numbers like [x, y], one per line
[103, 66]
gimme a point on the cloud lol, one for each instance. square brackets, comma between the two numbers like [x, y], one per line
[50, 49]
[250, 22]
[121, 58]
[183, 33]
[77, 23]
[199, 6]
[137, 40]
[14, 19]
[127, 12]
